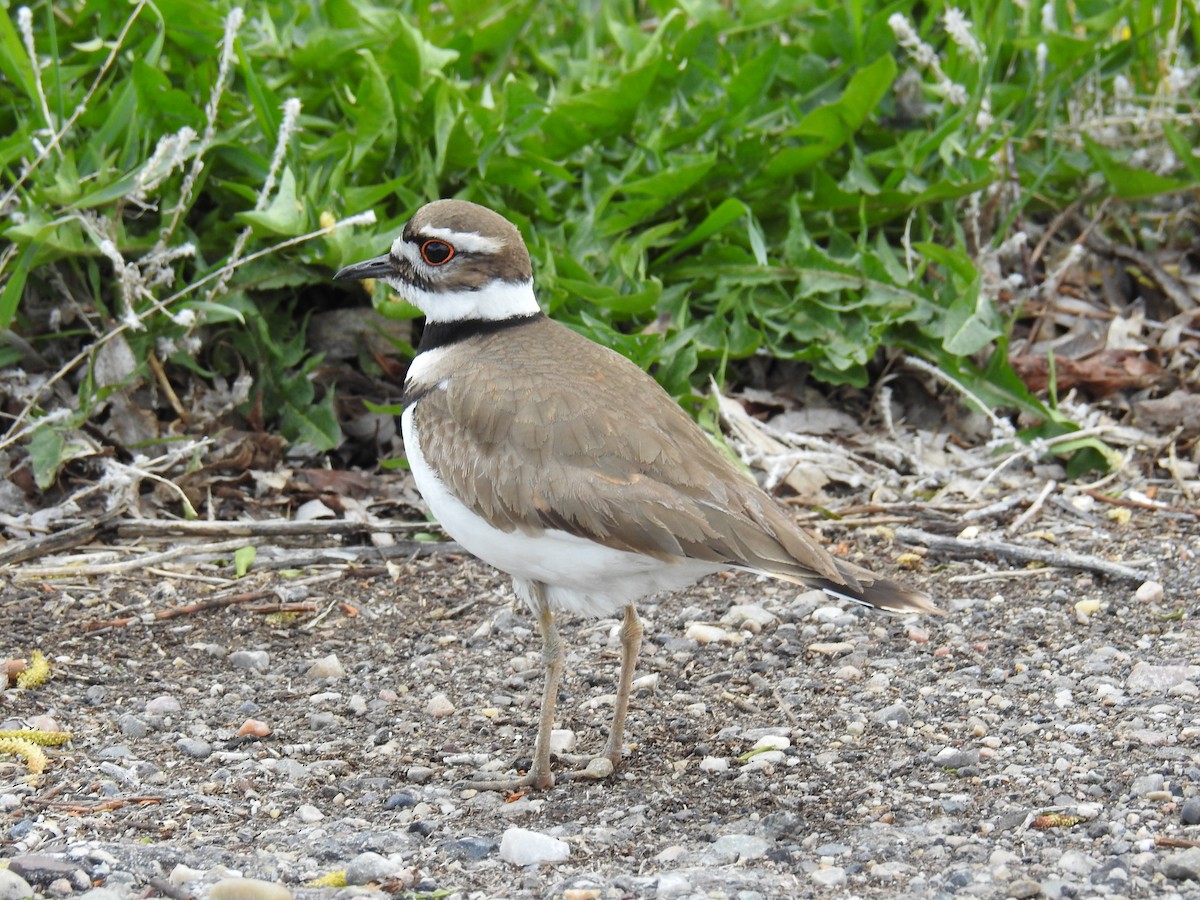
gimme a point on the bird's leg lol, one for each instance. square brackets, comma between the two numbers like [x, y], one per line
[539, 775]
[552, 661]
[631, 643]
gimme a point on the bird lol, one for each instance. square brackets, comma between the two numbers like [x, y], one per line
[565, 465]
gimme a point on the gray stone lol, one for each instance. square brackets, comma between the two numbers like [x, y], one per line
[13, 886]
[732, 848]
[472, 848]
[326, 667]
[897, 713]
[163, 706]
[1076, 862]
[132, 726]
[43, 869]
[1024, 889]
[1183, 866]
[673, 884]
[370, 867]
[99, 894]
[194, 747]
[1190, 813]
[1145, 678]
[829, 876]
[254, 660]
[1146, 784]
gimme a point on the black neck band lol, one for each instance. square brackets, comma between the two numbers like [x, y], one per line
[443, 334]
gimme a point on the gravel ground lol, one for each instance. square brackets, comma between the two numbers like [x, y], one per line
[1019, 747]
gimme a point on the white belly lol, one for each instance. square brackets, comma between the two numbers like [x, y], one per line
[582, 576]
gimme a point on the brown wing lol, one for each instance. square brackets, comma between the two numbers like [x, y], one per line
[607, 455]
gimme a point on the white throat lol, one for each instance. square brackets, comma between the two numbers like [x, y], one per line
[498, 300]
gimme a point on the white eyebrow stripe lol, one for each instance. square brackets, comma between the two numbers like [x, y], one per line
[466, 241]
[402, 249]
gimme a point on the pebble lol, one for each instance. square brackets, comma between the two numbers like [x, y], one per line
[732, 848]
[439, 706]
[562, 740]
[418, 774]
[522, 847]
[13, 886]
[673, 884]
[370, 867]
[326, 667]
[254, 660]
[600, 767]
[1076, 862]
[848, 673]
[1149, 592]
[194, 747]
[829, 876]
[1190, 812]
[162, 706]
[1146, 678]
[708, 634]
[1147, 784]
[1023, 889]
[471, 848]
[833, 648]
[43, 869]
[248, 889]
[751, 618]
[99, 893]
[1183, 865]
[309, 814]
[714, 764]
[132, 726]
[897, 713]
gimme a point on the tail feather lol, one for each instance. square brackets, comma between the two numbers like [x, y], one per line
[868, 589]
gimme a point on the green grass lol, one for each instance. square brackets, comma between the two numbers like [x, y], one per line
[698, 181]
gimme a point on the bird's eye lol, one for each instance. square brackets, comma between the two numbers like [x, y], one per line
[436, 252]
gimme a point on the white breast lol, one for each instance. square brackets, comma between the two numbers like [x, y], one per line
[582, 576]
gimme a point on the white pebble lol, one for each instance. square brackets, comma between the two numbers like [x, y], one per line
[326, 667]
[1149, 592]
[832, 648]
[439, 706]
[309, 814]
[522, 847]
[248, 889]
[773, 742]
[829, 876]
[706, 634]
[714, 764]
[562, 740]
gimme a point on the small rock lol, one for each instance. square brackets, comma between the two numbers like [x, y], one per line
[326, 667]
[254, 728]
[673, 884]
[1190, 813]
[418, 774]
[732, 848]
[600, 767]
[848, 673]
[472, 848]
[309, 814]
[829, 876]
[714, 764]
[751, 618]
[13, 886]
[1146, 678]
[1147, 784]
[562, 740]
[439, 706]
[254, 660]
[181, 875]
[43, 869]
[1149, 592]
[1076, 862]
[132, 726]
[831, 648]
[522, 847]
[99, 893]
[1023, 889]
[1183, 865]
[707, 634]
[162, 706]
[248, 889]
[773, 742]
[319, 721]
[951, 758]
[897, 713]
[194, 747]
[370, 867]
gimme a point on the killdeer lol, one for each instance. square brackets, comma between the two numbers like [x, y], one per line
[565, 465]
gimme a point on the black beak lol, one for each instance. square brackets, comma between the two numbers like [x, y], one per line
[379, 267]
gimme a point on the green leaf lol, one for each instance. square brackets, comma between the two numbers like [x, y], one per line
[283, 216]
[970, 323]
[243, 559]
[1128, 182]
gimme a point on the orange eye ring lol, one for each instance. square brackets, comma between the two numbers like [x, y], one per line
[436, 252]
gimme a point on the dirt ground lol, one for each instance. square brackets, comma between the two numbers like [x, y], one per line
[919, 754]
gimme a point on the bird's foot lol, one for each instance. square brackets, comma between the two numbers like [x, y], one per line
[588, 769]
